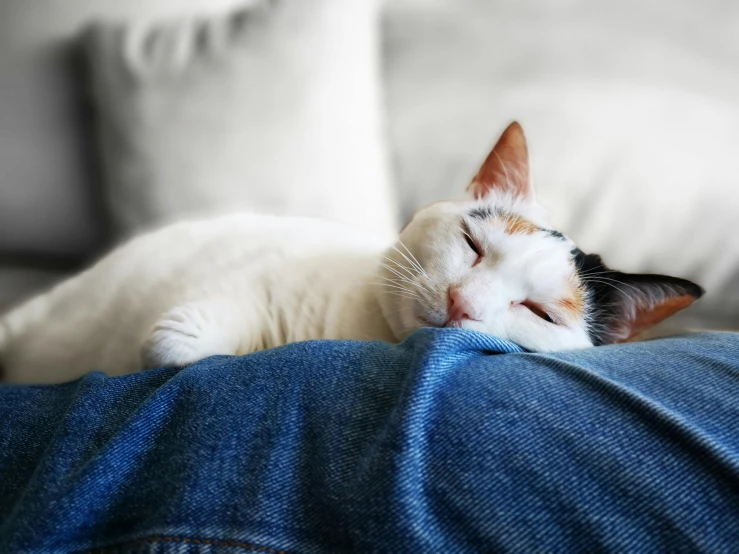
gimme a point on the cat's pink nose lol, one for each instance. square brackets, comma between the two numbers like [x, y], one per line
[459, 307]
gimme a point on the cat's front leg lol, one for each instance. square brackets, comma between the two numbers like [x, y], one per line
[191, 332]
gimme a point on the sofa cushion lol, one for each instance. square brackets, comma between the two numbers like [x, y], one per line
[48, 190]
[271, 108]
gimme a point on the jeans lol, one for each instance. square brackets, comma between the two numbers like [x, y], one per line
[452, 441]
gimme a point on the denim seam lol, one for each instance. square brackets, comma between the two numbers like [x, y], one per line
[190, 540]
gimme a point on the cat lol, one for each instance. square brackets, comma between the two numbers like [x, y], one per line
[243, 283]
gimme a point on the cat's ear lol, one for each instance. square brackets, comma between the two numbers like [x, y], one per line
[629, 304]
[506, 167]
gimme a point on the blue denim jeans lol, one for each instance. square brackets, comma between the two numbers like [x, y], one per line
[449, 442]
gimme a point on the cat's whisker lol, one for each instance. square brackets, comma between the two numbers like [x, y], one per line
[599, 273]
[421, 286]
[601, 278]
[619, 289]
[402, 267]
[397, 287]
[595, 271]
[401, 295]
[412, 266]
[417, 263]
[396, 273]
[395, 281]
[428, 295]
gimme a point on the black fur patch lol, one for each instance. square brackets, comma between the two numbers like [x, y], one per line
[607, 288]
[486, 212]
[556, 234]
[600, 296]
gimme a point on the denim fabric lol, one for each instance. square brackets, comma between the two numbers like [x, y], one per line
[440, 444]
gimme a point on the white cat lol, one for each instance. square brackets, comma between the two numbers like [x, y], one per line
[243, 283]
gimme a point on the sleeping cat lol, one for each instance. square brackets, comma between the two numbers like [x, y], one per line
[244, 283]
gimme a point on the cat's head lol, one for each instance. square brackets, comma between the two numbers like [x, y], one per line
[493, 264]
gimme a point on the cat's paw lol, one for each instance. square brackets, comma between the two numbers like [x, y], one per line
[187, 334]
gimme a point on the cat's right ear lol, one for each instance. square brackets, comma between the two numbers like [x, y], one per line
[506, 167]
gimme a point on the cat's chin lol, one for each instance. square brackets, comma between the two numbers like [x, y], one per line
[423, 322]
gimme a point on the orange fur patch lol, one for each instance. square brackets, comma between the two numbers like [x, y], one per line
[573, 306]
[515, 224]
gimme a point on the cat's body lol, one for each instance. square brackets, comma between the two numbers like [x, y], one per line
[242, 277]
[244, 283]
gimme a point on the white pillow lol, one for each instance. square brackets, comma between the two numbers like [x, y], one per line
[273, 108]
[633, 125]
[647, 178]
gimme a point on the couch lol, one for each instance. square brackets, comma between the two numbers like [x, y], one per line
[631, 111]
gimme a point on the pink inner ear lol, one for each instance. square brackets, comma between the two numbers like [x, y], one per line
[506, 167]
[648, 317]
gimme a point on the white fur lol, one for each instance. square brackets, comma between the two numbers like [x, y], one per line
[232, 285]
[247, 282]
[516, 267]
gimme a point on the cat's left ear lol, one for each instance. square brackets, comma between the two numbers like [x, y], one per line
[506, 167]
[629, 304]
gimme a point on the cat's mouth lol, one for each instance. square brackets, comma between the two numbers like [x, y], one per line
[449, 323]
[454, 323]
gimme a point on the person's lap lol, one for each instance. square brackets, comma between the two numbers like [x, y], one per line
[432, 445]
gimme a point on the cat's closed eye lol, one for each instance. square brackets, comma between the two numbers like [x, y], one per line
[538, 311]
[473, 246]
